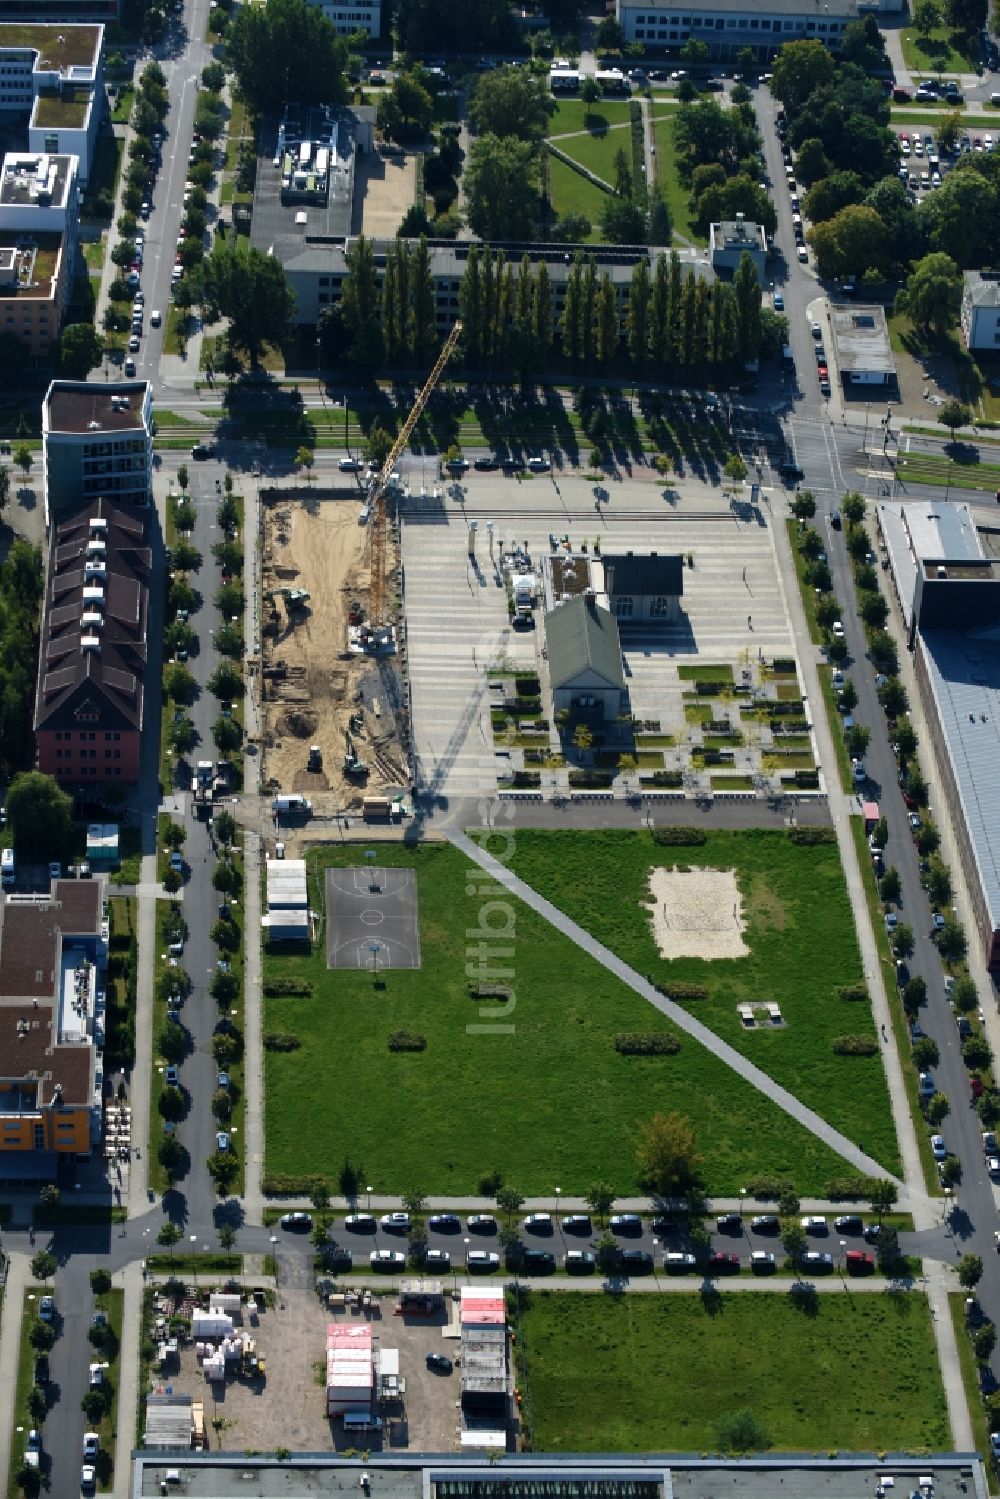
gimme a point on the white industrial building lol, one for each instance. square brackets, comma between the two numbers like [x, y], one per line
[287, 917]
[350, 1368]
[484, 1384]
[981, 310]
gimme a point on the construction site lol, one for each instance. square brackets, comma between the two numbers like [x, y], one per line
[335, 719]
[335, 701]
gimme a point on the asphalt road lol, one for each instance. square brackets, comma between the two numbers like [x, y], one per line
[194, 1199]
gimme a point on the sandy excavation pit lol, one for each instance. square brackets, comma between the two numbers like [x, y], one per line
[311, 684]
[696, 913]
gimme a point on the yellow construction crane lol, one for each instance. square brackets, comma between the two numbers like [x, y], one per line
[379, 522]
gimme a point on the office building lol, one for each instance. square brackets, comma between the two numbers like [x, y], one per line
[39, 247]
[53, 957]
[347, 16]
[89, 705]
[97, 440]
[862, 349]
[727, 26]
[54, 76]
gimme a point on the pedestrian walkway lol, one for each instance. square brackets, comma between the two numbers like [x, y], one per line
[253, 849]
[701, 1033]
[18, 1277]
[138, 1194]
[131, 1281]
[893, 38]
[939, 1280]
[841, 808]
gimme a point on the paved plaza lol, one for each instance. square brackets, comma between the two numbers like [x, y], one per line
[456, 606]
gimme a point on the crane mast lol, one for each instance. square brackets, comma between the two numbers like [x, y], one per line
[379, 488]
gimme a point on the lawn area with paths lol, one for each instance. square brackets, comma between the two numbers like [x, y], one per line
[573, 114]
[546, 1100]
[659, 1373]
[675, 193]
[571, 193]
[803, 948]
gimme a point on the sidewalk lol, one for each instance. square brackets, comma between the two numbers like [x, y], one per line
[253, 847]
[841, 807]
[130, 1279]
[18, 1277]
[894, 51]
[939, 1280]
[138, 1187]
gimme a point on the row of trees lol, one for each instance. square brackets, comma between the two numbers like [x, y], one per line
[20, 603]
[675, 321]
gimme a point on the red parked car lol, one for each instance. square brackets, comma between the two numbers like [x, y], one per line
[859, 1263]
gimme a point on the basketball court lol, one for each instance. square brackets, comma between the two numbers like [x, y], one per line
[371, 918]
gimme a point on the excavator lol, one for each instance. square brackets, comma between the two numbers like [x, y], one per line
[295, 599]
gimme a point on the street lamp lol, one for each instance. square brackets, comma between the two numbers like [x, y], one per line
[466, 1243]
[369, 1191]
[558, 1195]
[274, 1256]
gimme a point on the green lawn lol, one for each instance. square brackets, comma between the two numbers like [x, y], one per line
[114, 1304]
[573, 114]
[597, 152]
[942, 51]
[705, 673]
[549, 1101]
[572, 193]
[675, 193]
[930, 114]
[970, 1372]
[658, 1373]
[795, 906]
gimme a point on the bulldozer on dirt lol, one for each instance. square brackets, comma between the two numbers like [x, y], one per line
[315, 761]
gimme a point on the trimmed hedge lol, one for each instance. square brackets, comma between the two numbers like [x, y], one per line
[678, 989]
[811, 837]
[407, 1041]
[285, 1184]
[783, 665]
[280, 1041]
[664, 778]
[849, 1188]
[647, 1043]
[853, 993]
[668, 837]
[854, 1046]
[487, 991]
[528, 686]
[276, 987]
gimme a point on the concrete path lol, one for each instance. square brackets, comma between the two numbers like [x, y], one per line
[939, 1280]
[18, 1278]
[893, 38]
[841, 808]
[139, 1089]
[253, 853]
[676, 1013]
[130, 1280]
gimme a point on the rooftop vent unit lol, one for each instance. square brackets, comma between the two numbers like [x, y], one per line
[90, 643]
[92, 620]
[98, 523]
[95, 567]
